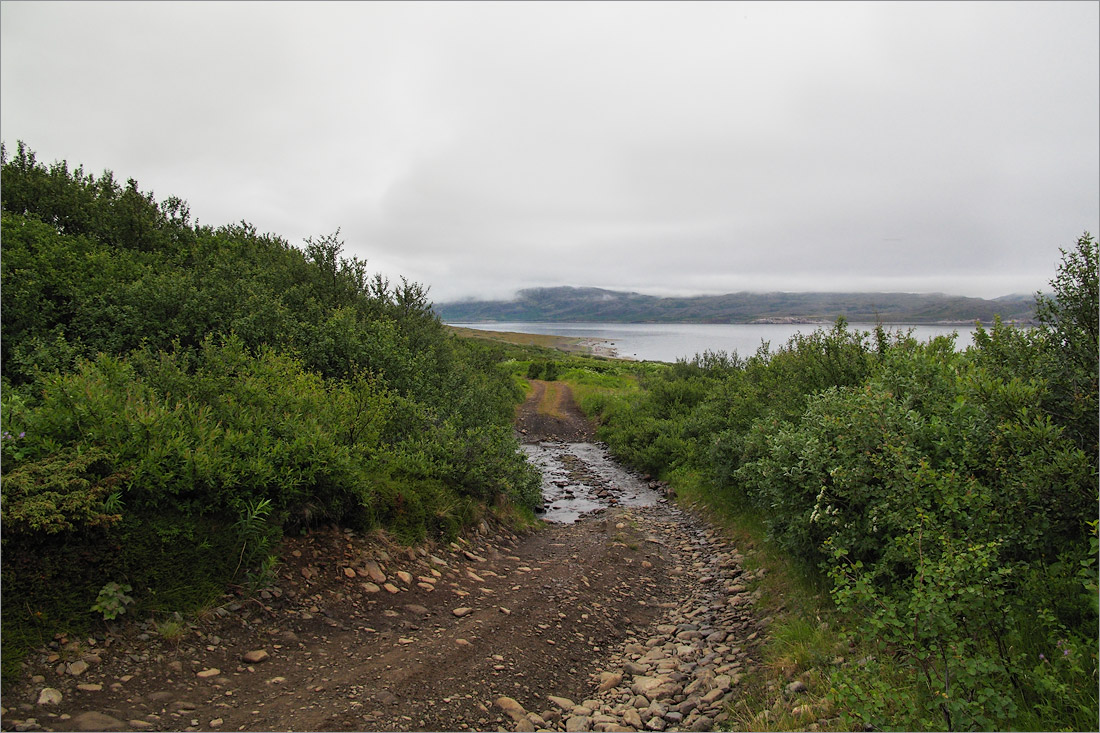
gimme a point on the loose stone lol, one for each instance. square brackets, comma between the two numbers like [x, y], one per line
[796, 687]
[93, 721]
[374, 571]
[609, 680]
[512, 708]
[49, 696]
[577, 724]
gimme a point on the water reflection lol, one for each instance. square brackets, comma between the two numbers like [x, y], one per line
[580, 478]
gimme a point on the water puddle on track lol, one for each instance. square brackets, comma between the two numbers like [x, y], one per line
[582, 478]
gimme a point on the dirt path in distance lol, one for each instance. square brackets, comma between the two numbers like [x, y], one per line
[549, 413]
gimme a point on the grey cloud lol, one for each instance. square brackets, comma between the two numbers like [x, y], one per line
[661, 147]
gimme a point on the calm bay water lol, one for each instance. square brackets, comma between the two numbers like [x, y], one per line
[672, 341]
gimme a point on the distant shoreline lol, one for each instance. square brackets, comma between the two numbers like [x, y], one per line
[567, 344]
[669, 342]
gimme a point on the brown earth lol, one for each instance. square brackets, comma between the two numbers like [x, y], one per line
[549, 413]
[362, 634]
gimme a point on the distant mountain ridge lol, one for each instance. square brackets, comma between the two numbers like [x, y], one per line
[572, 304]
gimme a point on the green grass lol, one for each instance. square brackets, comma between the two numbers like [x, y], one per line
[541, 344]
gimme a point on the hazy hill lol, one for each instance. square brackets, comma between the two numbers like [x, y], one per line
[596, 304]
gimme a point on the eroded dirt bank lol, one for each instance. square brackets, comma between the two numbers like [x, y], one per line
[635, 618]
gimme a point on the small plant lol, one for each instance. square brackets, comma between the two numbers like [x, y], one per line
[266, 574]
[253, 529]
[112, 600]
[17, 450]
[114, 503]
[170, 630]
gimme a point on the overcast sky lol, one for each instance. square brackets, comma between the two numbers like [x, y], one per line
[672, 148]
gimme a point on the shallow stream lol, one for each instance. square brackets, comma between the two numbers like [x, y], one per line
[582, 478]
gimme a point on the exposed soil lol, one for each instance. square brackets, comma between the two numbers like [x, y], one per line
[362, 634]
[551, 414]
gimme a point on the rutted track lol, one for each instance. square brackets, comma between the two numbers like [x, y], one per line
[634, 617]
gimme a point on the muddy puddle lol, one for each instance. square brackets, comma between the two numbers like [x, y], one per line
[581, 478]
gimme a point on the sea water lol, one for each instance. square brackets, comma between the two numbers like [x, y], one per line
[671, 341]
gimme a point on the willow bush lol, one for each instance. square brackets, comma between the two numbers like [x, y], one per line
[948, 497]
[176, 396]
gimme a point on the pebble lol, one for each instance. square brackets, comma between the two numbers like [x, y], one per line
[208, 672]
[511, 708]
[93, 721]
[578, 723]
[796, 687]
[49, 696]
[374, 571]
[255, 657]
[462, 611]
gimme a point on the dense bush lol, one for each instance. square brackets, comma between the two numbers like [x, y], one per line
[175, 396]
[950, 497]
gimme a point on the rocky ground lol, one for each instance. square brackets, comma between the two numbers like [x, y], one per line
[633, 618]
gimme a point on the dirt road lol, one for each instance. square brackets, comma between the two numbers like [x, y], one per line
[550, 414]
[638, 615]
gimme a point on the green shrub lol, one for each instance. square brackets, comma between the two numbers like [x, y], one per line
[176, 395]
[948, 497]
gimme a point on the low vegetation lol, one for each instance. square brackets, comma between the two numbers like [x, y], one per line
[176, 396]
[933, 511]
